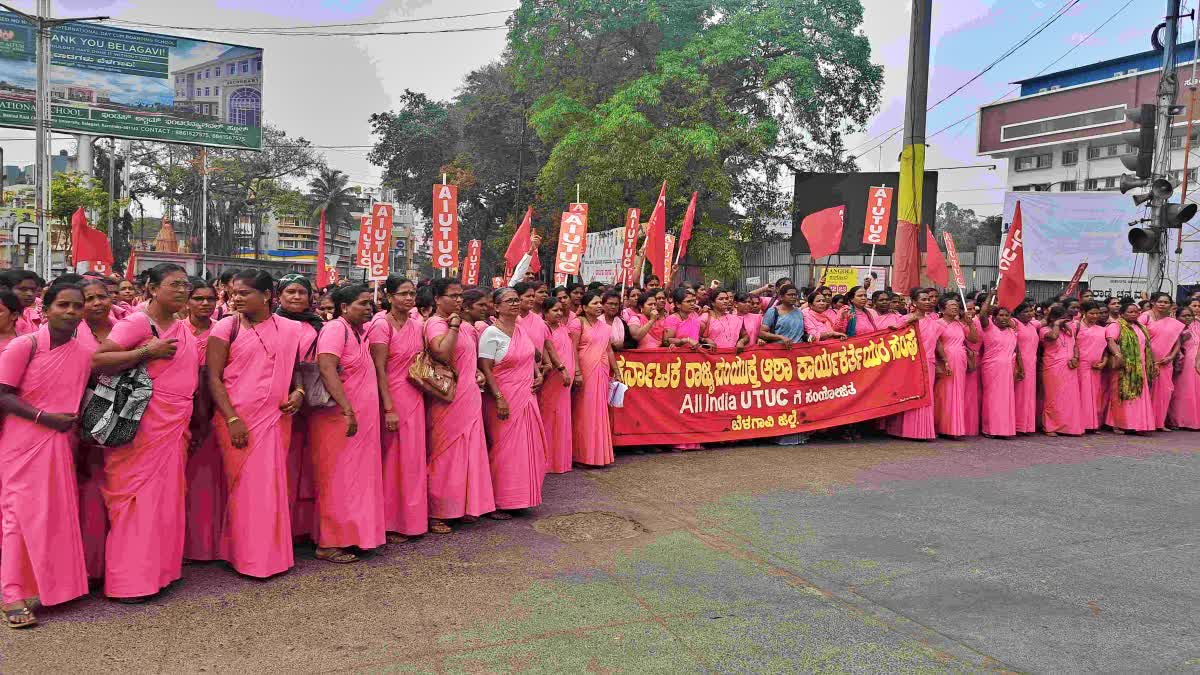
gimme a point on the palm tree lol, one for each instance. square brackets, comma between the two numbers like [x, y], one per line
[332, 201]
[330, 193]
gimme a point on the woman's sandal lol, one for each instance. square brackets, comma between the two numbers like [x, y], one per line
[11, 617]
[500, 515]
[395, 538]
[439, 527]
[337, 555]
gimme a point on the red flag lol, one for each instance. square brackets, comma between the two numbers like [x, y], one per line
[935, 262]
[471, 267]
[656, 234]
[1074, 285]
[823, 230]
[322, 271]
[685, 233]
[879, 213]
[130, 275]
[1010, 292]
[519, 246]
[88, 243]
[952, 253]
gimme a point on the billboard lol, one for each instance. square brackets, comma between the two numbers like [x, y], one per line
[1063, 229]
[110, 81]
[819, 191]
[602, 256]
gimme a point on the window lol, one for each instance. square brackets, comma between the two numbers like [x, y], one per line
[232, 68]
[206, 91]
[245, 67]
[1093, 152]
[1091, 184]
[1021, 188]
[1070, 157]
[216, 91]
[258, 65]
[1130, 148]
[1099, 151]
[1110, 183]
[1041, 187]
[1054, 125]
[1176, 142]
[1030, 162]
[1066, 186]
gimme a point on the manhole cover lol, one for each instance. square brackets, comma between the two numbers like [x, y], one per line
[589, 526]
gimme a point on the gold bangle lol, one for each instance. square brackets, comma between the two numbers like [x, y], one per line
[233, 419]
[299, 389]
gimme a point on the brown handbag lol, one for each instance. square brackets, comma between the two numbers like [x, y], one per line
[433, 377]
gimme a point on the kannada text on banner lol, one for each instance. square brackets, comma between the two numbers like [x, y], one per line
[685, 396]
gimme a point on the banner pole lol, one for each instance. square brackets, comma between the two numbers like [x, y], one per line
[871, 265]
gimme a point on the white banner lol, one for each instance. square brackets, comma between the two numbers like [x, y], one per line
[1063, 229]
[602, 256]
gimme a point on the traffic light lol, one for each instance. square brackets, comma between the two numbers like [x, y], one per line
[1141, 162]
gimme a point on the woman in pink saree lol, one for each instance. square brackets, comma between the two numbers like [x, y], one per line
[10, 311]
[555, 395]
[1164, 340]
[347, 456]
[144, 484]
[598, 367]
[516, 437]
[1130, 409]
[819, 323]
[724, 327]
[918, 424]
[42, 378]
[251, 357]
[460, 479]
[1028, 338]
[205, 502]
[646, 323]
[1089, 339]
[93, 518]
[950, 391]
[296, 303]
[1185, 406]
[396, 340]
[1001, 369]
[1060, 383]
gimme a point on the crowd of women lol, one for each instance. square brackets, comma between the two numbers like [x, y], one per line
[278, 416]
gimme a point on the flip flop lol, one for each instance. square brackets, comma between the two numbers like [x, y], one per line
[440, 528]
[337, 556]
[10, 616]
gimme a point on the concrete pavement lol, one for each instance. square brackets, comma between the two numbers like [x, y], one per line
[1038, 554]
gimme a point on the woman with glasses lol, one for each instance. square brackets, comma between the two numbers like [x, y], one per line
[508, 360]
[251, 356]
[144, 481]
[395, 338]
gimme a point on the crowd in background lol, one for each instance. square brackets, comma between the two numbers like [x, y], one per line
[281, 414]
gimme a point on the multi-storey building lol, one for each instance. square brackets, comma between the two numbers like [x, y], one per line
[1066, 131]
[227, 88]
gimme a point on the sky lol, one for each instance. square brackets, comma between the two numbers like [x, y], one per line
[325, 88]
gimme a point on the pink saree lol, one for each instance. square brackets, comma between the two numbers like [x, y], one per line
[593, 439]
[205, 501]
[1091, 390]
[1185, 406]
[42, 554]
[556, 404]
[1060, 411]
[950, 391]
[144, 483]
[1164, 333]
[517, 445]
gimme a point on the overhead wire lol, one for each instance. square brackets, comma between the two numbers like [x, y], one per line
[316, 26]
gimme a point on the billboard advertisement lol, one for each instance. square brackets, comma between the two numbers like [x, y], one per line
[1063, 229]
[602, 256]
[110, 81]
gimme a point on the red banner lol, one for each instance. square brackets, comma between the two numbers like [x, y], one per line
[471, 268]
[445, 226]
[879, 213]
[374, 242]
[627, 276]
[685, 396]
[952, 252]
[1010, 289]
[669, 249]
[1074, 285]
[572, 240]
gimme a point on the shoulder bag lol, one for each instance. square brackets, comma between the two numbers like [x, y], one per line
[432, 376]
[113, 405]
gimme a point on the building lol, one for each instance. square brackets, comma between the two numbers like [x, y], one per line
[1066, 131]
[227, 88]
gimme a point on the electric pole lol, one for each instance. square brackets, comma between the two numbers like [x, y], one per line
[906, 257]
[1168, 86]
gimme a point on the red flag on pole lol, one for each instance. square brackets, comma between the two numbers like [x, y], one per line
[87, 243]
[629, 247]
[656, 235]
[130, 275]
[470, 276]
[1010, 292]
[322, 271]
[935, 262]
[1073, 287]
[952, 253]
[823, 230]
[519, 245]
[685, 232]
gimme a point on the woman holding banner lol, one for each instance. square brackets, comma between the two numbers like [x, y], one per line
[598, 367]
[950, 393]
[1001, 370]
[819, 323]
[1185, 406]
[1060, 359]
[1164, 340]
[722, 326]
[682, 328]
[784, 319]
[918, 424]
[1130, 409]
[1028, 339]
[859, 319]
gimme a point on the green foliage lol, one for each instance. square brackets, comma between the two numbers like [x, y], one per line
[968, 229]
[70, 190]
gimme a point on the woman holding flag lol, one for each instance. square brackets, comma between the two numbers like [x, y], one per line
[1001, 370]
[1060, 384]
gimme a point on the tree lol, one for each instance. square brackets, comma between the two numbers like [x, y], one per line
[968, 231]
[330, 192]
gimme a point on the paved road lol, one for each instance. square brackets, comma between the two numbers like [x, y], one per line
[1049, 555]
